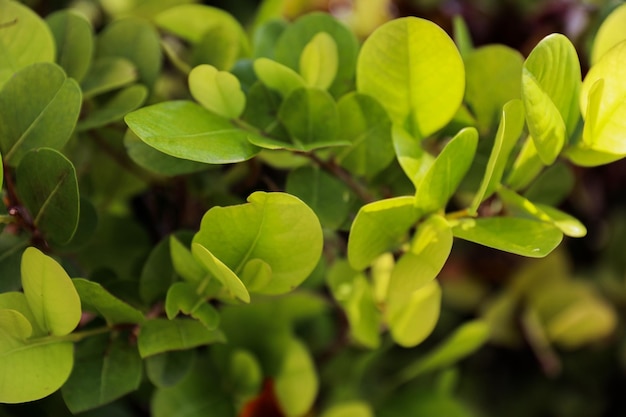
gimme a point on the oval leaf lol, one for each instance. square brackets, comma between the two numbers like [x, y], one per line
[74, 38]
[48, 188]
[378, 227]
[319, 61]
[186, 130]
[524, 237]
[39, 107]
[94, 297]
[50, 293]
[431, 73]
[218, 91]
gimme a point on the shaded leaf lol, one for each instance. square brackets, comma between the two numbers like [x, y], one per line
[48, 188]
[296, 384]
[107, 74]
[94, 297]
[161, 335]
[123, 102]
[39, 107]
[74, 38]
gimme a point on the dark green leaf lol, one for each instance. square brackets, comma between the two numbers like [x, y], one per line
[168, 368]
[96, 298]
[48, 188]
[107, 74]
[161, 335]
[105, 370]
[74, 39]
[116, 108]
[39, 107]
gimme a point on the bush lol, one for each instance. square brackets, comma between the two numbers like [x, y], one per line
[261, 222]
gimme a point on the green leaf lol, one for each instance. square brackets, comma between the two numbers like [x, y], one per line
[136, 40]
[201, 25]
[168, 368]
[550, 89]
[277, 77]
[105, 370]
[355, 295]
[218, 91]
[107, 74]
[365, 123]
[326, 195]
[524, 237]
[185, 130]
[509, 130]
[414, 161]
[39, 107]
[569, 225]
[158, 273]
[349, 409]
[526, 167]
[24, 39]
[36, 368]
[296, 37]
[94, 297]
[182, 297]
[221, 272]
[465, 340]
[462, 36]
[184, 262]
[48, 188]
[245, 374]
[265, 37]
[123, 102]
[296, 383]
[74, 38]
[319, 61]
[431, 74]
[443, 177]
[50, 293]
[602, 104]
[610, 33]
[378, 227]
[418, 316]
[494, 75]
[161, 335]
[155, 161]
[199, 394]
[17, 301]
[276, 228]
[426, 257]
[13, 325]
[553, 186]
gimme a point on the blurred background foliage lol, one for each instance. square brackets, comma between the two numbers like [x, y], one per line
[558, 345]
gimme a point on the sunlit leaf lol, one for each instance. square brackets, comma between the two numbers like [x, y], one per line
[276, 228]
[186, 130]
[221, 272]
[413, 159]
[277, 77]
[431, 72]
[50, 293]
[610, 33]
[296, 384]
[494, 74]
[443, 177]
[319, 61]
[524, 237]
[24, 39]
[550, 89]
[218, 91]
[510, 128]
[378, 227]
[182, 297]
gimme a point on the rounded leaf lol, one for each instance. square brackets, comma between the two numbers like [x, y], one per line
[276, 228]
[412, 67]
[319, 61]
[24, 39]
[75, 42]
[610, 33]
[50, 293]
[218, 91]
